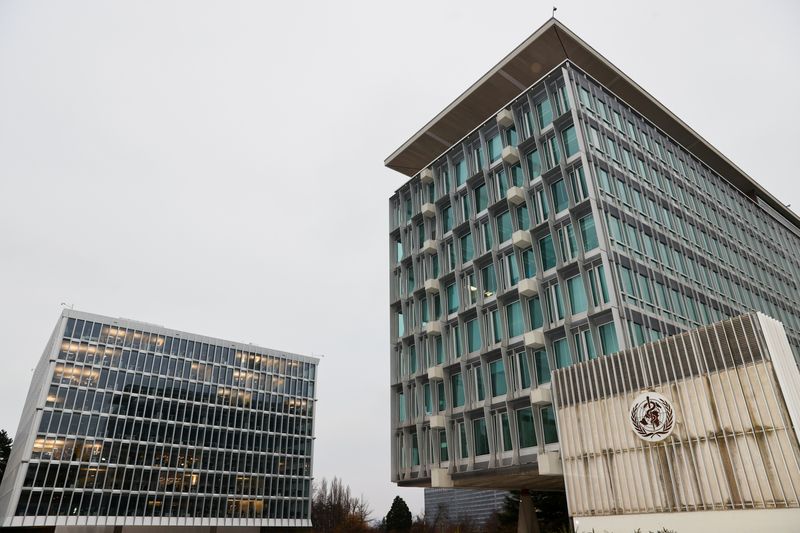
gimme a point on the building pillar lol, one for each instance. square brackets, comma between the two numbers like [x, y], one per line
[527, 522]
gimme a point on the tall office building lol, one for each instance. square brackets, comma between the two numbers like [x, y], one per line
[557, 212]
[462, 506]
[132, 424]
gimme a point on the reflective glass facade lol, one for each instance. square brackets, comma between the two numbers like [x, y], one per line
[137, 424]
[593, 232]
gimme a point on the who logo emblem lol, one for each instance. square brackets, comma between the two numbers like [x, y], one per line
[652, 417]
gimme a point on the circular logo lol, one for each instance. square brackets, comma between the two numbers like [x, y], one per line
[652, 417]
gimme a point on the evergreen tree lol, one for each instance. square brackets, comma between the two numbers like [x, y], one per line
[5, 451]
[399, 516]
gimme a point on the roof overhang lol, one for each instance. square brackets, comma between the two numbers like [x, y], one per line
[548, 47]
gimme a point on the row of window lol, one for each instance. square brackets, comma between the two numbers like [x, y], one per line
[112, 335]
[471, 438]
[294, 503]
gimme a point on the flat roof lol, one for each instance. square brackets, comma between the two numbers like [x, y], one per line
[545, 49]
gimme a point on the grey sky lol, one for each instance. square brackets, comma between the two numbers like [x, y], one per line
[217, 166]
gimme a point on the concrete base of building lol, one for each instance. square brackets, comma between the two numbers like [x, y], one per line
[739, 521]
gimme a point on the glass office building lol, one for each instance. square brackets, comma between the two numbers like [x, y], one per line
[131, 424]
[555, 213]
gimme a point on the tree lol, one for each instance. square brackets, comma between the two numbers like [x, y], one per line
[399, 516]
[5, 451]
[334, 509]
[550, 507]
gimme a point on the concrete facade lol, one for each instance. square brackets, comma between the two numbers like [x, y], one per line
[132, 425]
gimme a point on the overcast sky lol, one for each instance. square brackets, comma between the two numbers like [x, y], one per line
[217, 167]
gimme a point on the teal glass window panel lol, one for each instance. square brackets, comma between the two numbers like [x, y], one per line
[506, 429]
[514, 320]
[547, 252]
[439, 347]
[497, 376]
[496, 325]
[440, 395]
[528, 263]
[447, 218]
[459, 349]
[401, 325]
[601, 275]
[452, 298]
[462, 431]
[517, 178]
[467, 248]
[577, 294]
[524, 370]
[588, 233]
[544, 204]
[549, 425]
[555, 150]
[489, 280]
[481, 198]
[414, 450]
[401, 407]
[544, 112]
[561, 352]
[523, 218]
[487, 235]
[427, 398]
[502, 184]
[511, 136]
[412, 360]
[535, 309]
[570, 139]
[398, 250]
[435, 265]
[461, 172]
[443, 453]
[423, 305]
[481, 436]
[504, 227]
[608, 338]
[479, 390]
[534, 164]
[560, 198]
[495, 144]
[437, 306]
[411, 284]
[589, 344]
[473, 336]
[513, 269]
[542, 365]
[525, 430]
[457, 385]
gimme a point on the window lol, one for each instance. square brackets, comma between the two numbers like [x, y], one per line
[488, 280]
[570, 140]
[480, 393]
[486, 233]
[523, 219]
[542, 366]
[526, 432]
[511, 270]
[535, 310]
[494, 326]
[497, 377]
[561, 352]
[495, 147]
[465, 207]
[447, 219]
[555, 302]
[467, 248]
[457, 386]
[584, 345]
[577, 294]
[481, 198]
[524, 371]
[462, 433]
[438, 349]
[504, 227]
[473, 336]
[427, 398]
[401, 407]
[552, 152]
[608, 338]
[480, 436]
[412, 359]
[588, 233]
[547, 252]
[597, 283]
[549, 425]
[567, 243]
[579, 186]
[455, 340]
[528, 263]
[585, 97]
[542, 206]
[461, 172]
[501, 184]
[544, 113]
[443, 455]
[514, 319]
[560, 199]
[441, 396]
[505, 432]
[452, 298]
[534, 164]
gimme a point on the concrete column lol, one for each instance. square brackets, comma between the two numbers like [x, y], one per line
[527, 522]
